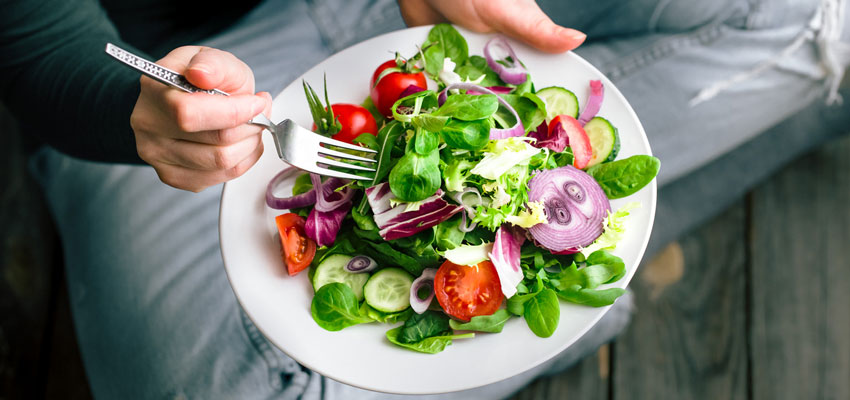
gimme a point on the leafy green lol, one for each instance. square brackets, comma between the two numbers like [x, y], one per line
[614, 228]
[530, 114]
[335, 307]
[471, 135]
[367, 139]
[431, 345]
[591, 297]
[390, 256]
[543, 312]
[444, 41]
[623, 178]
[578, 285]
[425, 325]
[484, 323]
[302, 184]
[425, 142]
[383, 317]
[476, 67]
[387, 138]
[416, 177]
[448, 234]
[468, 107]
[456, 173]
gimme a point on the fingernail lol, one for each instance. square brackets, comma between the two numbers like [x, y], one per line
[202, 68]
[574, 35]
[259, 104]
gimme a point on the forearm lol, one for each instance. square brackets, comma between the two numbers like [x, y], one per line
[60, 84]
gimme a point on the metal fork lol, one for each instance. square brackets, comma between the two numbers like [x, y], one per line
[295, 145]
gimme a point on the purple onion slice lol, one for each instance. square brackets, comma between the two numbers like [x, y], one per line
[361, 263]
[423, 282]
[512, 71]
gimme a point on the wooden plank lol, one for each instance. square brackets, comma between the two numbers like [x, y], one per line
[589, 379]
[688, 337]
[800, 308]
[27, 244]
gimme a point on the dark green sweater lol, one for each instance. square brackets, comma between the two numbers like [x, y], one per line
[62, 87]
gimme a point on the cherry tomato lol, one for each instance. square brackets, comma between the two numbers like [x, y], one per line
[296, 249]
[387, 90]
[468, 291]
[579, 142]
[355, 120]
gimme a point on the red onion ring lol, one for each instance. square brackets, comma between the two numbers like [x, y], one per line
[514, 73]
[424, 281]
[495, 133]
[287, 203]
[361, 263]
[575, 207]
[594, 102]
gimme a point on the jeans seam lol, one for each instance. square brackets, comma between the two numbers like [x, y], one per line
[664, 48]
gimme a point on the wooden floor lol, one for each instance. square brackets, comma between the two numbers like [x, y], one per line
[754, 305]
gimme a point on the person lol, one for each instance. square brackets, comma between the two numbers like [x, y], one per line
[153, 310]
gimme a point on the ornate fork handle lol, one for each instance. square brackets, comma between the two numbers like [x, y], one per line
[156, 71]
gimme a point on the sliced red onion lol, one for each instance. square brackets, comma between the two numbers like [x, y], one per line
[594, 102]
[331, 198]
[286, 203]
[360, 264]
[495, 133]
[409, 90]
[423, 282]
[465, 202]
[463, 227]
[514, 72]
[323, 227]
[575, 208]
[506, 257]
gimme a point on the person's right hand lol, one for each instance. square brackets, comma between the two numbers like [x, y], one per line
[197, 140]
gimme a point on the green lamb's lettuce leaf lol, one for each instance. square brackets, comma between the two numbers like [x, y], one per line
[476, 68]
[465, 135]
[416, 177]
[443, 41]
[448, 234]
[578, 285]
[542, 312]
[431, 345]
[385, 318]
[467, 107]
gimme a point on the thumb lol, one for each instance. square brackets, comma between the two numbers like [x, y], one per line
[216, 69]
[525, 21]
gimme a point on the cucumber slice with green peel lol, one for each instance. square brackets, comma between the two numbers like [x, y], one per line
[332, 269]
[558, 101]
[388, 290]
[604, 140]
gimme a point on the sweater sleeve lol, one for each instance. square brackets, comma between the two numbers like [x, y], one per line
[59, 83]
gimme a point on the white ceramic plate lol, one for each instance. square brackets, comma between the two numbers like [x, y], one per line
[361, 355]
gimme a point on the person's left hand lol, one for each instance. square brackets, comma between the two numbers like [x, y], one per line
[521, 19]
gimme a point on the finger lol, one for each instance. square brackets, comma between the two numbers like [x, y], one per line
[206, 157]
[222, 137]
[196, 112]
[417, 12]
[525, 21]
[194, 180]
[216, 69]
[268, 110]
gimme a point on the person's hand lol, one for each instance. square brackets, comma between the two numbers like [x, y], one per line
[521, 19]
[197, 140]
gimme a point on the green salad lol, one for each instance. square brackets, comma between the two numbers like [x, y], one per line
[489, 201]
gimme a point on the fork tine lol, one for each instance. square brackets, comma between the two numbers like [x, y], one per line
[333, 153]
[348, 146]
[335, 163]
[342, 175]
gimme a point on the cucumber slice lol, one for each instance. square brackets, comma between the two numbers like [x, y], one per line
[388, 290]
[558, 101]
[332, 269]
[604, 140]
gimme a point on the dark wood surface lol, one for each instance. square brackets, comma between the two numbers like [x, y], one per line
[755, 305]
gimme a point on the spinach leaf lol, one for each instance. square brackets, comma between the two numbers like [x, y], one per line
[591, 297]
[425, 325]
[444, 41]
[603, 267]
[416, 244]
[431, 345]
[472, 135]
[476, 66]
[469, 107]
[416, 177]
[623, 178]
[448, 234]
[388, 255]
[335, 307]
[484, 323]
[385, 318]
[543, 312]
[302, 184]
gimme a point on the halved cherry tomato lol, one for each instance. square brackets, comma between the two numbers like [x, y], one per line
[355, 120]
[296, 249]
[387, 90]
[579, 142]
[468, 291]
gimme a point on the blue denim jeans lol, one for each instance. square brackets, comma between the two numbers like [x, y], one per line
[153, 310]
